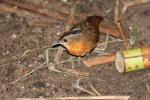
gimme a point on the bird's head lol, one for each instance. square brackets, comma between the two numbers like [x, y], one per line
[68, 38]
[72, 42]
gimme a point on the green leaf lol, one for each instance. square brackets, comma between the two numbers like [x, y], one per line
[134, 36]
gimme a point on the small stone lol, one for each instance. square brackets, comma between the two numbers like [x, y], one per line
[46, 2]
[8, 16]
[35, 62]
[58, 33]
[14, 36]
[30, 65]
[64, 0]
[7, 52]
[58, 26]
[47, 84]
[15, 7]
[3, 53]
[22, 87]
[52, 85]
[41, 56]
[130, 27]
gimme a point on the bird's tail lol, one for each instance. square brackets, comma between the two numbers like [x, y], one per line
[94, 21]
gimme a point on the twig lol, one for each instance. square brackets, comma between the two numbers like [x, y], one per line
[9, 9]
[132, 3]
[126, 43]
[59, 52]
[113, 41]
[113, 31]
[43, 66]
[53, 14]
[93, 88]
[75, 72]
[117, 11]
[147, 88]
[22, 54]
[145, 79]
[83, 98]
[99, 60]
[70, 71]
[37, 9]
[64, 17]
[29, 73]
[77, 85]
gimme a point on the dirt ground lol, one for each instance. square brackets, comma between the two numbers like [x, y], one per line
[29, 31]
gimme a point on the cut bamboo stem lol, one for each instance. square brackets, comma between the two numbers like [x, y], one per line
[126, 60]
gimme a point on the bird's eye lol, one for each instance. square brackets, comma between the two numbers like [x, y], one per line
[65, 40]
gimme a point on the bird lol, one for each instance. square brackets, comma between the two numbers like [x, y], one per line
[82, 38]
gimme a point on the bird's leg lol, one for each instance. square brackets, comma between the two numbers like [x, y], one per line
[50, 66]
[79, 60]
[72, 59]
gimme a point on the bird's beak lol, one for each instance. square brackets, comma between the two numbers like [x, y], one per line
[56, 45]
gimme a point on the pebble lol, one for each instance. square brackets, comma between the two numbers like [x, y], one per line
[14, 36]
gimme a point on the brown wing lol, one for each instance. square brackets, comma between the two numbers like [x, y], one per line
[94, 21]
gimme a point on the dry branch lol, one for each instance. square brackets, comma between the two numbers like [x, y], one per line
[62, 17]
[37, 9]
[99, 60]
[9, 9]
[81, 98]
[126, 43]
[110, 30]
[128, 4]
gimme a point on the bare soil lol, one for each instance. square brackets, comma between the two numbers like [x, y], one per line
[28, 31]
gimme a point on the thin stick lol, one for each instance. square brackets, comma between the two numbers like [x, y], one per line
[133, 3]
[22, 54]
[36, 9]
[117, 11]
[59, 52]
[89, 92]
[53, 14]
[42, 66]
[113, 41]
[93, 89]
[9, 9]
[113, 31]
[82, 98]
[29, 73]
[126, 43]
[75, 72]
[147, 88]
[77, 85]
